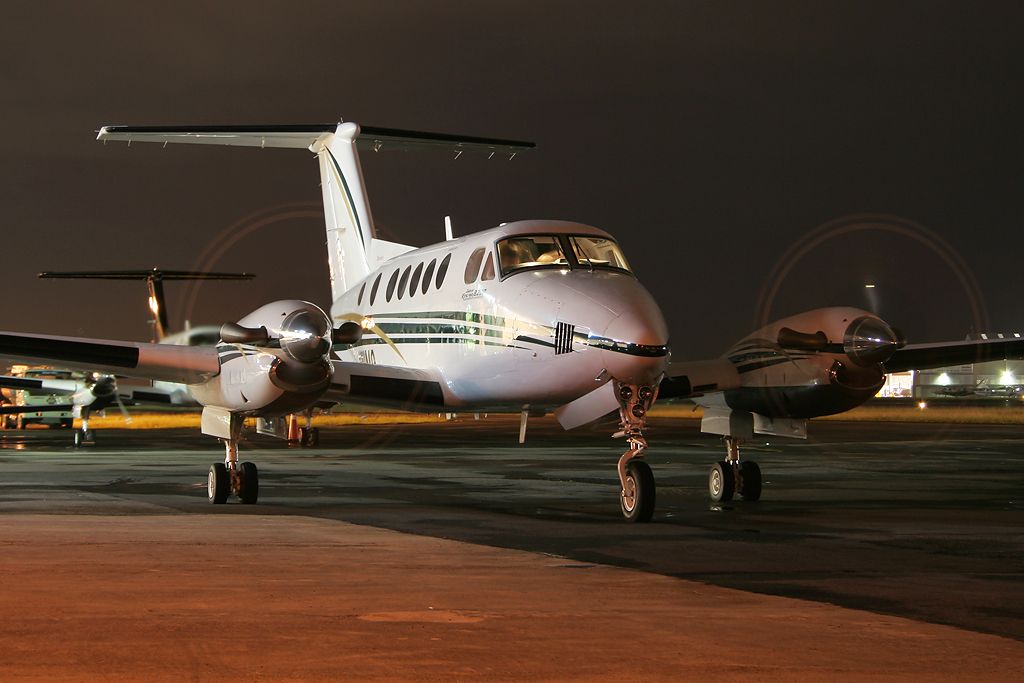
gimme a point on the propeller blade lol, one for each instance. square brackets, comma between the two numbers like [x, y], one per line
[233, 333]
[124, 411]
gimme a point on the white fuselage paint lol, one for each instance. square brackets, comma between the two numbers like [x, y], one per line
[492, 343]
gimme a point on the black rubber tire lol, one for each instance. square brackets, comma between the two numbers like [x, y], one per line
[638, 507]
[313, 441]
[78, 439]
[304, 437]
[721, 482]
[750, 475]
[249, 490]
[218, 484]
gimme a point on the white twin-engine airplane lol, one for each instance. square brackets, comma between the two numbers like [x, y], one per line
[526, 317]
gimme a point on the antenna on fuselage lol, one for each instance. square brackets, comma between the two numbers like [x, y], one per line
[448, 229]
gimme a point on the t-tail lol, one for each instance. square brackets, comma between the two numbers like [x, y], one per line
[154, 278]
[353, 248]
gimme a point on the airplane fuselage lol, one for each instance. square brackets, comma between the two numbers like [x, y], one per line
[540, 335]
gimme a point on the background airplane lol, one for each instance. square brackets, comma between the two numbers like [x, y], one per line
[528, 316]
[85, 394]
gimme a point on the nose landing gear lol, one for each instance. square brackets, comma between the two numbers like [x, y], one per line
[638, 489]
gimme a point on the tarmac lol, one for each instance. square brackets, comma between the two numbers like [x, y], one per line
[448, 552]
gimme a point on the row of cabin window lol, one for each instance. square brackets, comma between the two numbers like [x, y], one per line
[409, 281]
[473, 266]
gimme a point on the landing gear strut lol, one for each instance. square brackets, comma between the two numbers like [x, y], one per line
[84, 436]
[730, 476]
[309, 436]
[230, 476]
[638, 489]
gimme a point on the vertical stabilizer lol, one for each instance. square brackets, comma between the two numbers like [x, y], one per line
[346, 208]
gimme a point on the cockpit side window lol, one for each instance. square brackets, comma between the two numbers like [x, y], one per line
[488, 273]
[598, 252]
[530, 251]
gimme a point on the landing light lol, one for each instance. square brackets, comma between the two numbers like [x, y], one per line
[1007, 377]
[922, 405]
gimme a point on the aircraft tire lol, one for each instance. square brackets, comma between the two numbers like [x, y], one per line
[218, 484]
[249, 491]
[637, 502]
[314, 437]
[721, 482]
[750, 474]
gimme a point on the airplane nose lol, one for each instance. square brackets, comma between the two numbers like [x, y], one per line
[636, 343]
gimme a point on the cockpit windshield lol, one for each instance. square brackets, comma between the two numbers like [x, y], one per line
[548, 251]
[598, 252]
[530, 251]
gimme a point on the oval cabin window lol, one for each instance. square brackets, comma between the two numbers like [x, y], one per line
[442, 270]
[429, 274]
[473, 265]
[415, 281]
[403, 282]
[391, 286]
[373, 290]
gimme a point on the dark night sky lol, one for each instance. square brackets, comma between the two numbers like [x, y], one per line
[709, 137]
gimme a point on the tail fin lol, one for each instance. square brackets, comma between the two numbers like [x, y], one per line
[350, 232]
[154, 281]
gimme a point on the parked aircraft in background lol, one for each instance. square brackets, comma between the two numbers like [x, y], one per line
[528, 316]
[82, 394]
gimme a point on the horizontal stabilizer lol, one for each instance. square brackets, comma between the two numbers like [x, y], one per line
[155, 273]
[167, 362]
[304, 136]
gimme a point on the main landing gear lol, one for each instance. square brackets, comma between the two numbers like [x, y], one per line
[231, 476]
[84, 436]
[730, 476]
[638, 489]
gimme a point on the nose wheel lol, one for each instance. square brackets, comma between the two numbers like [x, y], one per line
[638, 493]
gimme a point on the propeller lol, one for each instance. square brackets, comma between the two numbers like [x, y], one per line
[870, 341]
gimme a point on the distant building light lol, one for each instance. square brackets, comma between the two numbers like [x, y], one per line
[922, 405]
[1007, 378]
[869, 286]
[1000, 335]
[944, 379]
[984, 336]
[1016, 335]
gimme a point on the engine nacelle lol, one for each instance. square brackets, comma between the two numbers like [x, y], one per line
[816, 363]
[274, 361]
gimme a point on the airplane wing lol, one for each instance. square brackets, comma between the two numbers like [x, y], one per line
[694, 378]
[167, 362]
[407, 388]
[944, 354]
[40, 385]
